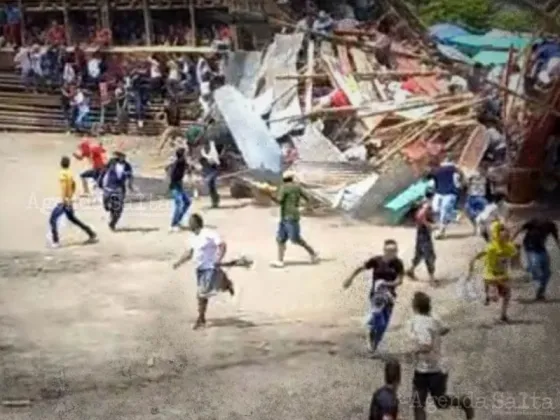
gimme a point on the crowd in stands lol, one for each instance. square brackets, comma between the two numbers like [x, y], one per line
[86, 76]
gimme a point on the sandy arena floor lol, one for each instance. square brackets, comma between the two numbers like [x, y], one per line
[104, 331]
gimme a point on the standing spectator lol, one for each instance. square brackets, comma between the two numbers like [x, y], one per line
[36, 57]
[156, 78]
[93, 70]
[22, 62]
[81, 106]
[80, 62]
[68, 72]
[139, 85]
[55, 34]
[12, 29]
[66, 95]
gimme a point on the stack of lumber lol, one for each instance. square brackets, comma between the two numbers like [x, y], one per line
[25, 111]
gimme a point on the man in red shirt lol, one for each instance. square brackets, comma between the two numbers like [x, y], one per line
[56, 35]
[95, 152]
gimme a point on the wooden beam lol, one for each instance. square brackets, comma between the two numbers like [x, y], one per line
[139, 49]
[22, 23]
[147, 22]
[66, 20]
[193, 23]
[309, 80]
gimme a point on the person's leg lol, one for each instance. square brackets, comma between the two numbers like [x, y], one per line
[202, 307]
[438, 391]
[539, 268]
[71, 216]
[446, 213]
[177, 207]
[504, 291]
[380, 325]
[418, 256]
[282, 236]
[211, 181]
[53, 222]
[117, 206]
[186, 203]
[294, 233]
[420, 390]
[84, 176]
[430, 260]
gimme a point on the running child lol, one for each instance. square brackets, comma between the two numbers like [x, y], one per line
[95, 152]
[497, 257]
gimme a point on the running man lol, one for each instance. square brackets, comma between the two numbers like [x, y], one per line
[114, 183]
[493, 212]
[537, 231]
[497, 257]
[65, 207]
[424, 249]
[385, 400]
[181, 200]
[96, 154]
[208, 250]
[430, 378]
[387, 275]
[447, 179]
[289, 198]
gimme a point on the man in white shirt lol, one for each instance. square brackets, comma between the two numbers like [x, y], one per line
[426, 332]
[207, 249]
[94, 69]
[80, 103]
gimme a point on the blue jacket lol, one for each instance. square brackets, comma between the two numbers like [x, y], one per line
[446, 178]
[116, 175]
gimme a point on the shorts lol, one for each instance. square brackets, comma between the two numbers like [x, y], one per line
[211, 281]
[288, 229]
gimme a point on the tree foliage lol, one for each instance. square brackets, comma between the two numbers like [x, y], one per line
[475, 14]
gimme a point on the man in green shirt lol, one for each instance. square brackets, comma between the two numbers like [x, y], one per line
[289, 197]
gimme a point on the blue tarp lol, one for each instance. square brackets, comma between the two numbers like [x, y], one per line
[491, 57]
[473, 44]
[454, 54]
[444, 31]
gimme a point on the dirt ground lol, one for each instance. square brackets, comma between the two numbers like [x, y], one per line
[104, 331]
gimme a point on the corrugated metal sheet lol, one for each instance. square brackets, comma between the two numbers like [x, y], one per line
[242, 69]
[315, 147]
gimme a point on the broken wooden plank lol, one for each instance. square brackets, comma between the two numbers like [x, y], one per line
[308, 104]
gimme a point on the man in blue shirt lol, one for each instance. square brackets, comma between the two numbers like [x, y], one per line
[114, 183]
[447, 180]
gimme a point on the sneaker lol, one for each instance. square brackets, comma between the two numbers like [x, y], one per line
[199, 324]
[277, 264]
[92, 239]
[315, 259]
[504, 319]
[411, 275]
[174, 229]
[51, 243]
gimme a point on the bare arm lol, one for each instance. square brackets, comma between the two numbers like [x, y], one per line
[348, 282]
[183, 259]
[474, 260]
[222, 249]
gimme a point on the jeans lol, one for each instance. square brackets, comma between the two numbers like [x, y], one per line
[474, 206]
[82, 119]
[140, 99]
[68, 211]
[210, 177]
[444, 205]
[539, 268]
[113, 202]
[378, 324]
[182, 203]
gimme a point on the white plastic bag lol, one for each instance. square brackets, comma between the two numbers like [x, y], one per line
[467, 289]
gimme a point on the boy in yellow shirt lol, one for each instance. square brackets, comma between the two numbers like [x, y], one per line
[64, 207]
[497, 256]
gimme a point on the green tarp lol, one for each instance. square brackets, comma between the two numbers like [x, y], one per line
[491, 57]
[474, 44]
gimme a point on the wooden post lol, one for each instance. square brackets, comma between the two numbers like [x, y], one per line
[147, 22]
[66, 20]
[235, 36]
[193, 23]
[22, 22]
[105, 20]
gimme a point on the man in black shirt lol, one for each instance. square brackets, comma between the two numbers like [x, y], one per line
[387, 275]
[537, 231]
[177, 171]
[385, 401]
